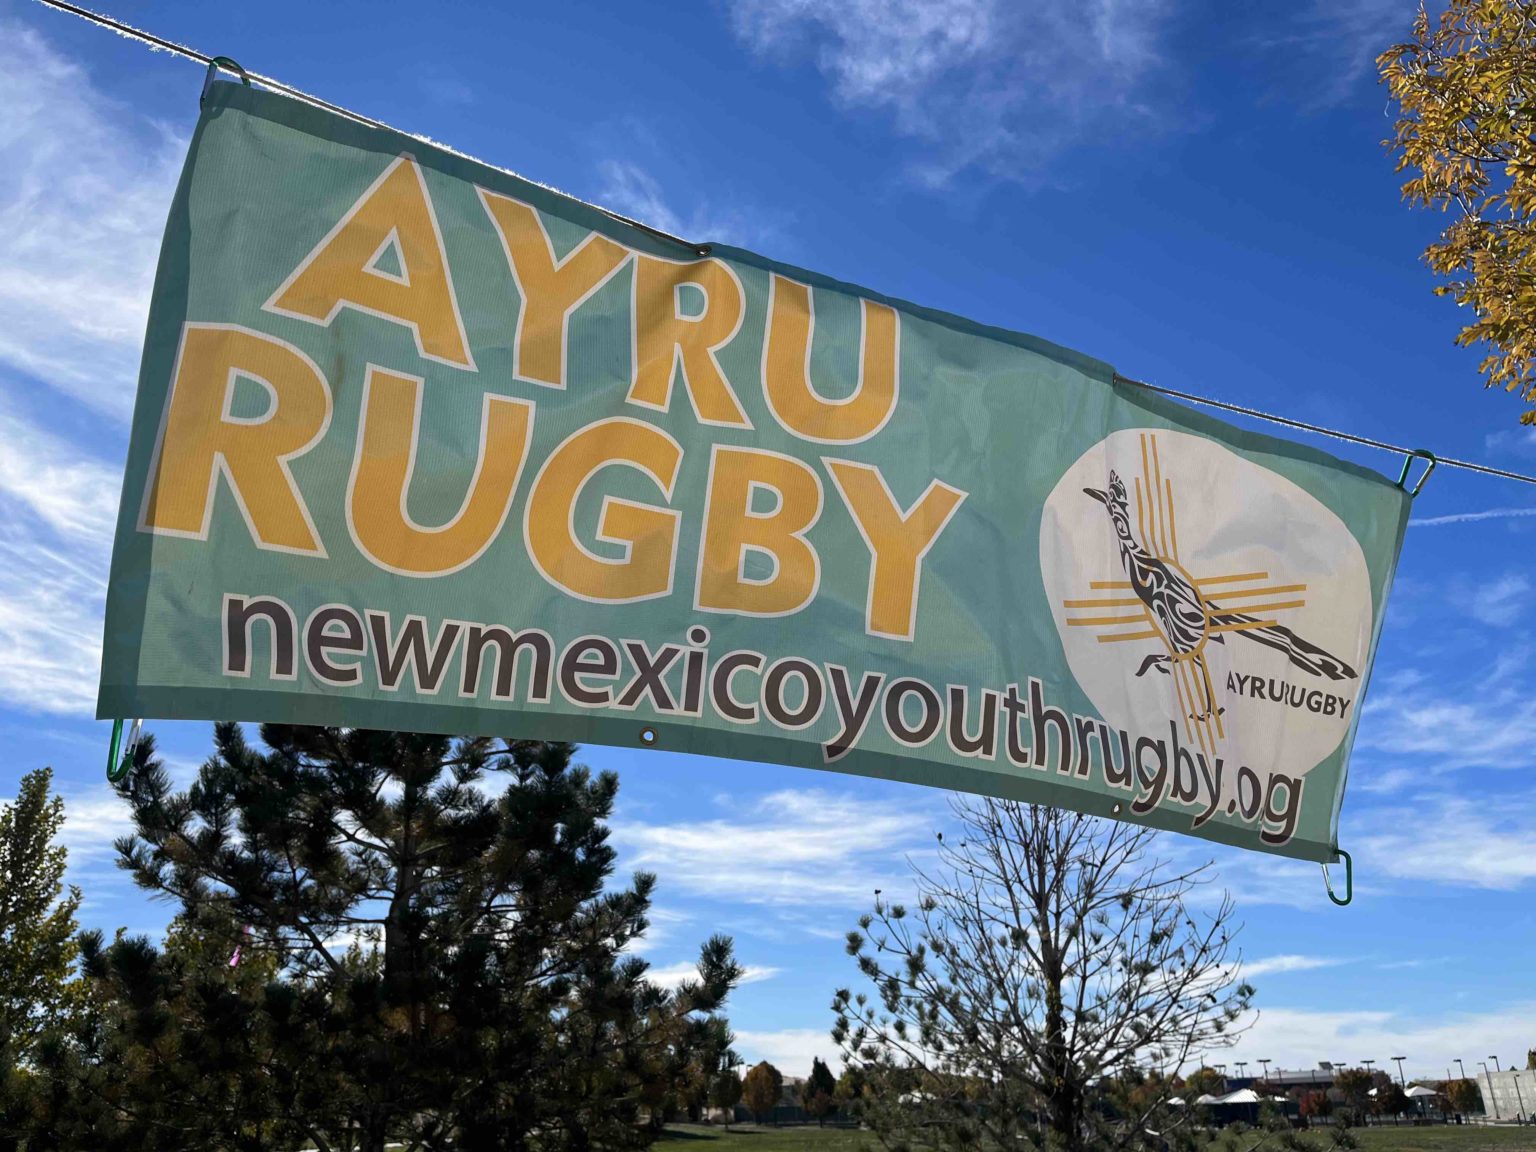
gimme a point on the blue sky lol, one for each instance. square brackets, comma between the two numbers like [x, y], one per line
[1191, 192]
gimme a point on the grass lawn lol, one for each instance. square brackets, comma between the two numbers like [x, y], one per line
[750, 1138]
[1445, 1138]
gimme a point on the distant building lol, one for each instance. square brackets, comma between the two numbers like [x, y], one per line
[1295, 1083]
[787, 1111]
[1508, 1095]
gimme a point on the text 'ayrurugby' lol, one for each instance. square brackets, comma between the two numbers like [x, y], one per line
[385, 257]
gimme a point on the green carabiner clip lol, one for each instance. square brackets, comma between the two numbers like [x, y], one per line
[118, 765]
[1402, 478]
[1349, 880]
[228, 65]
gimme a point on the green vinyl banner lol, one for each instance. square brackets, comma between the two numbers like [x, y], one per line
[422, 445]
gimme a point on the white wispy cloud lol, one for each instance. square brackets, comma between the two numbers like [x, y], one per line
[661, 925]
[54, 482]
[1445, 838]
[1416, 962]
[1295, 1038]
[58, 506]
[792, 848]
[85, 185]
[1434, 724]
[674, 974]
[84, 188]
[1249, 877]
[1502, 600]
[1325, 52]
[1513, 441]
[1382, 781]
[631, 190]
[93, 818]
[982, 85]
[442, 87]
[790, 1050]
[1290, 962]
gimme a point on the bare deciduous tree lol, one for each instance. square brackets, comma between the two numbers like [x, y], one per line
[1048, 953]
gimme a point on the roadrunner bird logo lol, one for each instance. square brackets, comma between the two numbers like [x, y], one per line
[1159, 602]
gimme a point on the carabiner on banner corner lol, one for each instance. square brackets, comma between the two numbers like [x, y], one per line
[229, 65]
[1349, 880]
[118, 763]
[1429, 466]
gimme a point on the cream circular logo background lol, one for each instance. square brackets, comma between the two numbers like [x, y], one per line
[1192, 586]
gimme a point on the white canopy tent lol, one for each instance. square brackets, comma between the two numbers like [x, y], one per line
[1241, 1096]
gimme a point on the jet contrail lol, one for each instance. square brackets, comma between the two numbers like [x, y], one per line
[1465, 517]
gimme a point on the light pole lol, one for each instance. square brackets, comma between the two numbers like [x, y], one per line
[1462, 1066]
[1266, 1064]
[1400, 1079]
[1492, 1098]
[1519, 1097]
[1495, 1060]
[1242, 1069]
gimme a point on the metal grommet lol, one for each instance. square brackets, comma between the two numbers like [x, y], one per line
[648, 736]
[1115, 811]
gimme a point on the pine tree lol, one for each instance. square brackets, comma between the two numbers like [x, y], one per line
[448, 954]
[174, 1049]
[689, 1058]
[819, 1095]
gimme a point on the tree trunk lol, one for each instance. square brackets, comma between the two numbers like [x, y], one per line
[1065, 1101]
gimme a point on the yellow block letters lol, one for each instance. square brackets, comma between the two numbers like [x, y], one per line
[787, 387]
[897, 541]
[647, 534]
[550, 289]
[732, 528]
[343, 269]
[667, 337]
[388, 441]
[201, 438]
